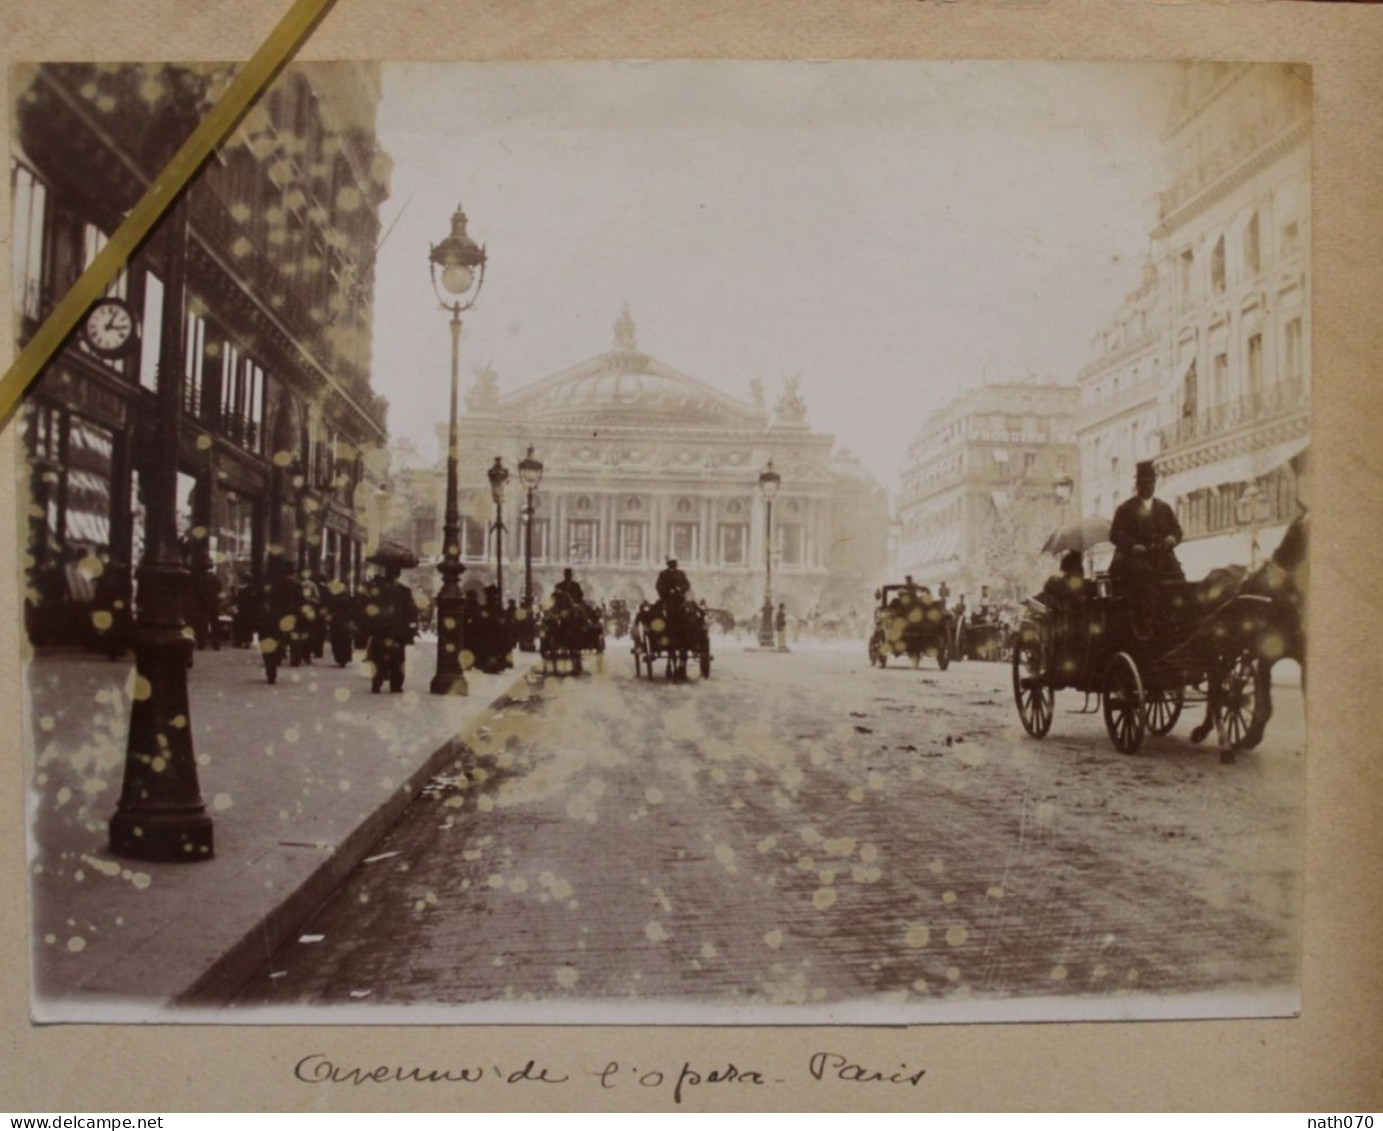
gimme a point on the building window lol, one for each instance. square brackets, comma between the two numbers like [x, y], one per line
[30, 197]
[1292, 367]
[734, 544]
[1253, 259]
[790, 545]
[473, 537]
[1217, 266]
[582, 537]
[1291, 238]
[151, 337]
[633, 542]
[1255, 365]
[194, 365]
[1220, 380]
[684, 540]
[1190, 393]
[1185, 265]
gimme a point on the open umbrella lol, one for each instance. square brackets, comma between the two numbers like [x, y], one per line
[1080, 535]
[391, 553]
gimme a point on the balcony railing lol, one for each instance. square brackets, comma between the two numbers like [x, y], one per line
[1275, 400]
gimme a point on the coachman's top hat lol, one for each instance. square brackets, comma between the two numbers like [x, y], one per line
[1145, 469]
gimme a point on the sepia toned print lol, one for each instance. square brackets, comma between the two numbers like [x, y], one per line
[696, 541]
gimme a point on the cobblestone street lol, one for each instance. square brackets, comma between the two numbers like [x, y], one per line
[804, 831]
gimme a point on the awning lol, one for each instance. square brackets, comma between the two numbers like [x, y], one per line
[1235, 470]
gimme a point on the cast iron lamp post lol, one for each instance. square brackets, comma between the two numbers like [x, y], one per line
[530, 475]
[161, 815]
[769, 481]
[498, 476]
[458, 268]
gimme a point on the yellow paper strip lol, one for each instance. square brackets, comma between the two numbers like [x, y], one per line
[280, 46]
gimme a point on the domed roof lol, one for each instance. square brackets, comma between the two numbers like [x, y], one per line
[624, 385]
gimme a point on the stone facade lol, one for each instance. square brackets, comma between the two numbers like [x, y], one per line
[642, 463]
[1214, 350]
[275, 315]
[977, 496]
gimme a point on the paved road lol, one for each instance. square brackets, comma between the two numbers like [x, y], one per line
[802, 829]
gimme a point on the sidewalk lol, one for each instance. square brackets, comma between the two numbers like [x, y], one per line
[300, 779]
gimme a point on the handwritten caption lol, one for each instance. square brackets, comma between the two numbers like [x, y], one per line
[682, 1082]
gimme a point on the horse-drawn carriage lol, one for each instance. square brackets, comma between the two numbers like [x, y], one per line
[1210, 641]
[568, 629]
[983, 636]
[910, 622]
[675, 631]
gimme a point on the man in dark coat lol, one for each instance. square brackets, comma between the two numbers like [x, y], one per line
[570, 588]
[672, 584]
[392, 612]
[1145, 533]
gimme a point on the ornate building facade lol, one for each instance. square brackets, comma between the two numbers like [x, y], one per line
[271, 289]
[1213, 351]
[977, 496]
[1233, 244]
[642, 463]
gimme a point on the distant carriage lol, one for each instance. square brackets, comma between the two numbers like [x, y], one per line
[983, 638]
[569, 628]
[909, 621]
[677, 634]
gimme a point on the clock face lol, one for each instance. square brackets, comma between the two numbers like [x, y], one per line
[110, 328]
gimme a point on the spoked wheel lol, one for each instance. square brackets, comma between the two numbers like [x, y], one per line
[876, 653]
[1031, 691]
[1163, 708]
[1240, 702]
[1123, 703]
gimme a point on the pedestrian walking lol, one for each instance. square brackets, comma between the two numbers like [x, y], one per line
[780, 623]
[392, 613]
[342, 611]
[279, 604]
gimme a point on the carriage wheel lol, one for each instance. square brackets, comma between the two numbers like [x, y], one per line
[1240, 701]
[1035, 698]
[1163, 709]
[1123, 703]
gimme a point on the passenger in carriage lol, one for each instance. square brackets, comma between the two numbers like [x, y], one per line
[1145, 533]
[1066, 588]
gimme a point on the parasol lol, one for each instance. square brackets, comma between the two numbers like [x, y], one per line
[1080, 535]
[391, 553]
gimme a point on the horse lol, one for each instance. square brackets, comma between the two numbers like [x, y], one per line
[566, 630]
[1276, 632]
[676, 630]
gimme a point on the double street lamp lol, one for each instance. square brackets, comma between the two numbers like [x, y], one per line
[530, 475]
[769, 482]
[498, 476]
[457, 266]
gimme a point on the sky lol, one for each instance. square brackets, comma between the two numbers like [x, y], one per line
[889, 233]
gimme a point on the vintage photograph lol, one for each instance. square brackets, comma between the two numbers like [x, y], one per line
[669, 542]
